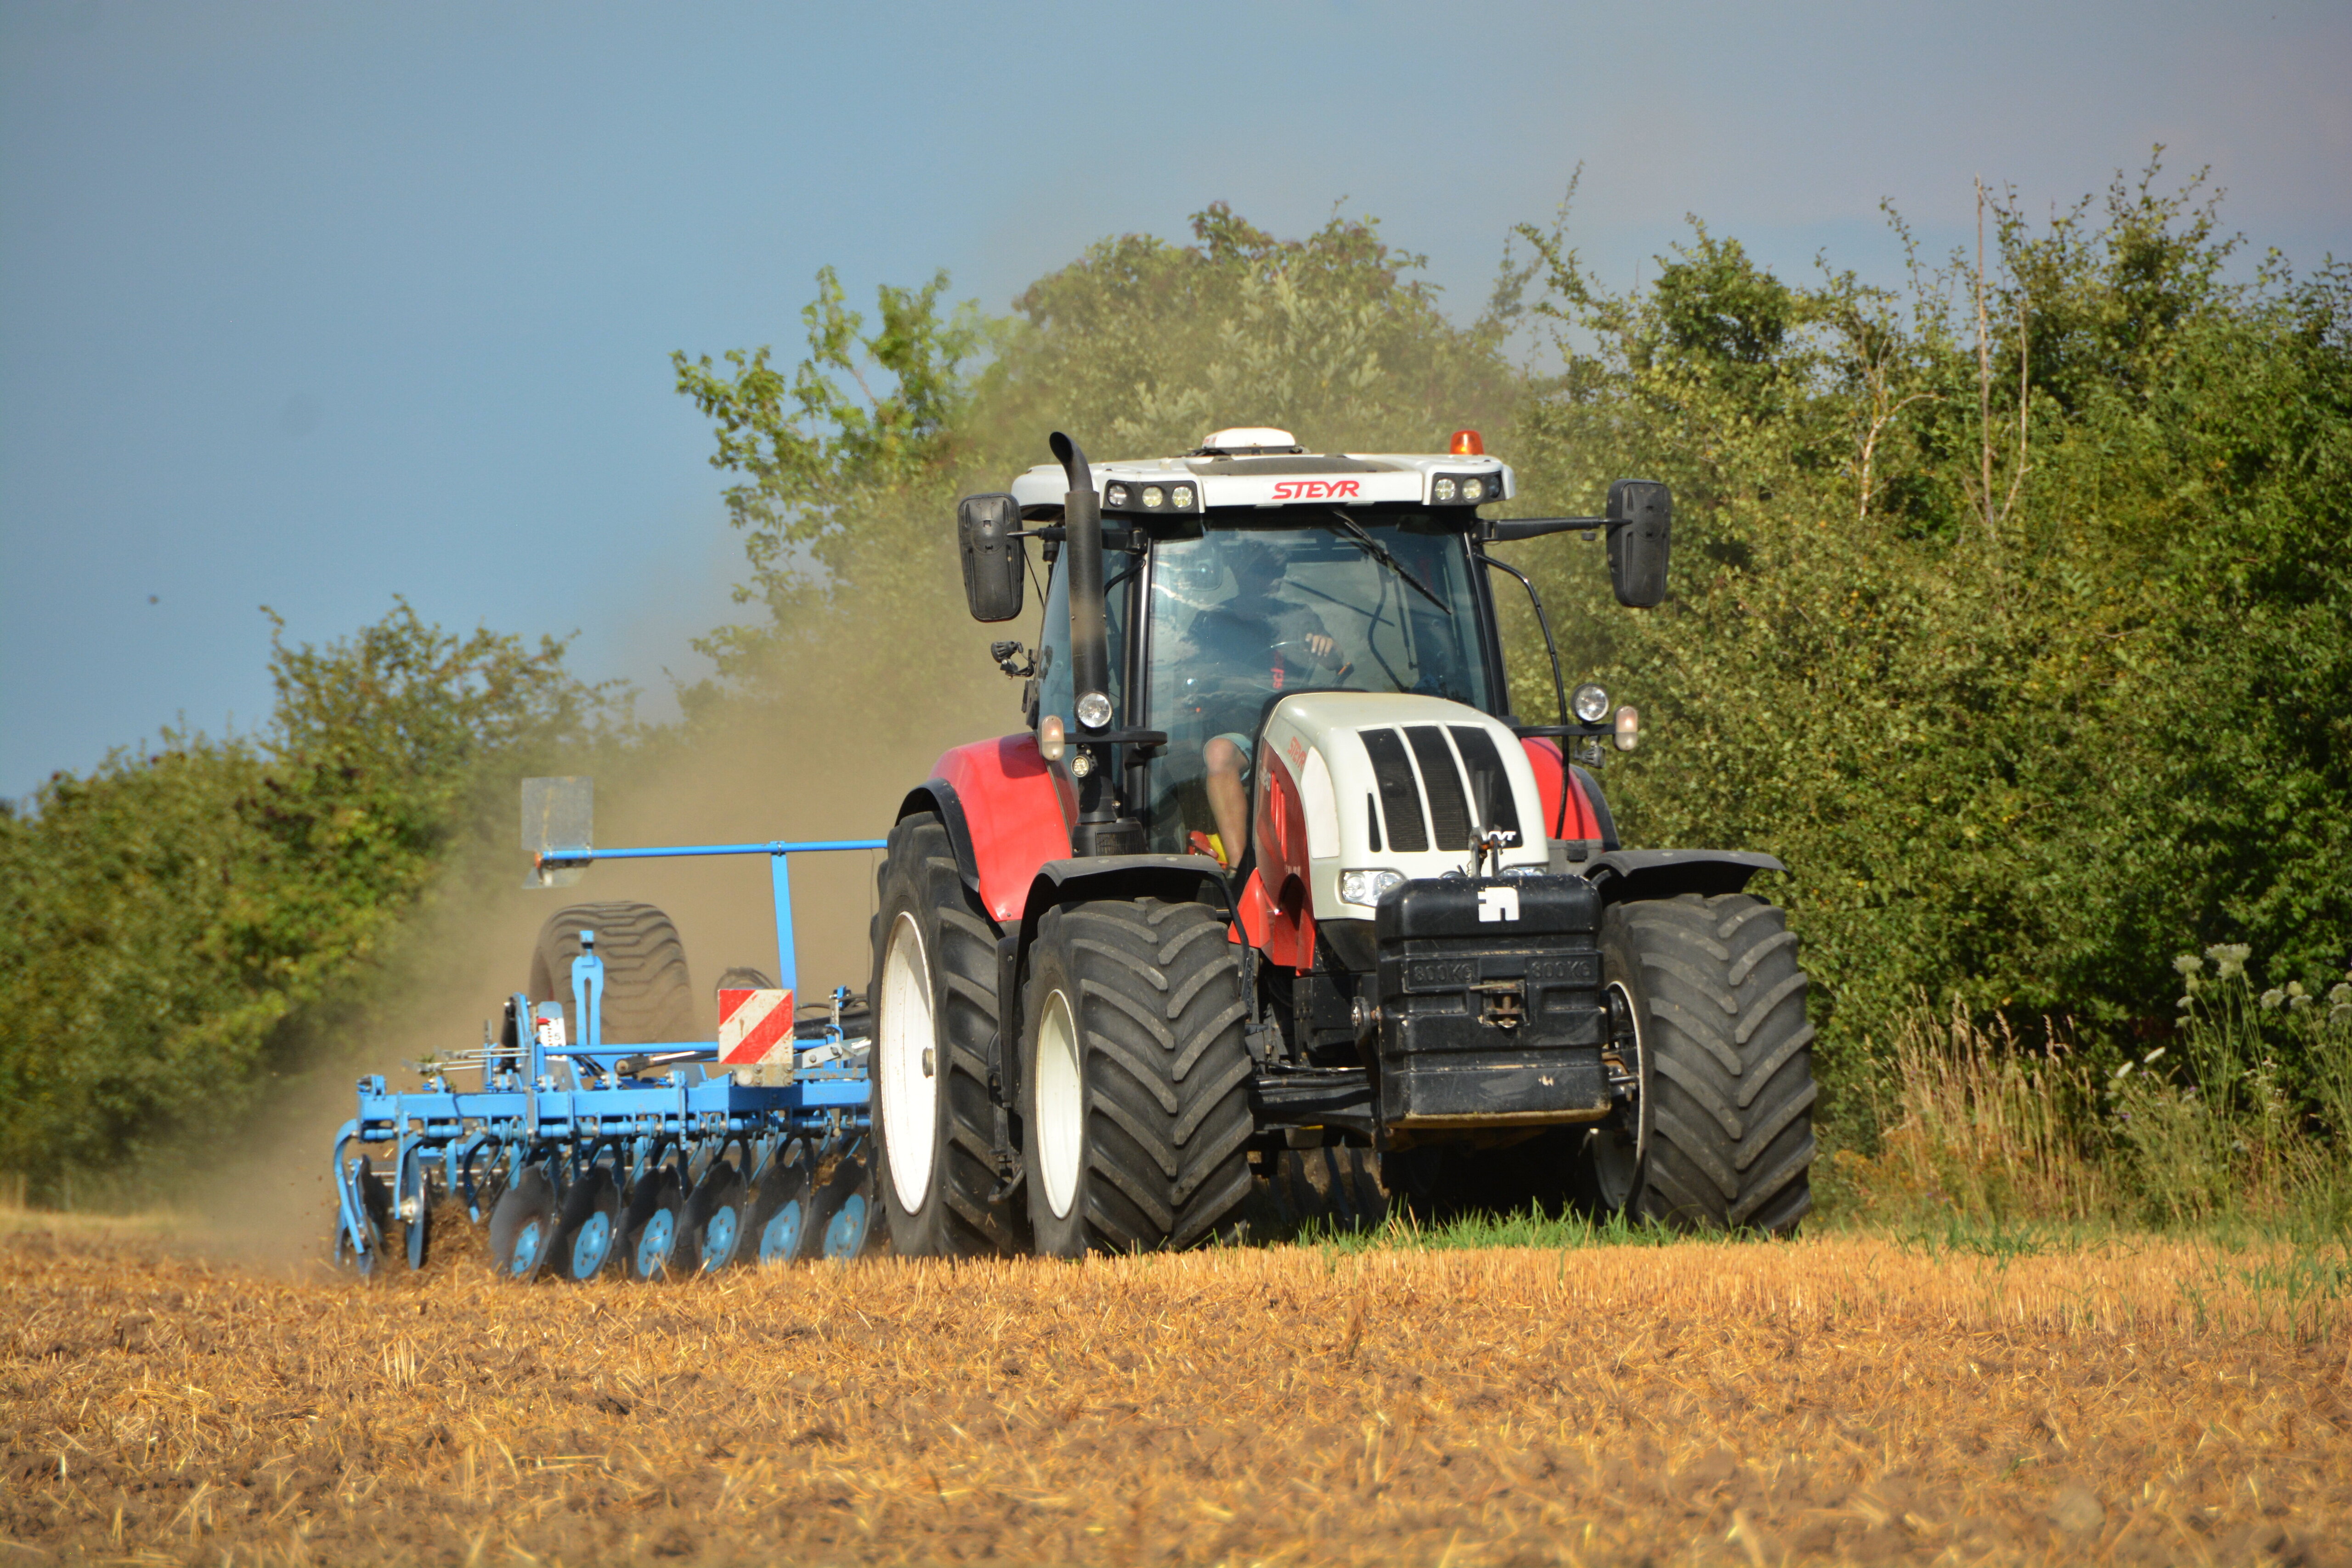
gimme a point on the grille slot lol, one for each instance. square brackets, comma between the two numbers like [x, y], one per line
[1485, 765]
[1408, 833]
[1449, 808]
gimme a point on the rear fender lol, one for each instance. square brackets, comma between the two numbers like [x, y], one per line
[1007, 812]
[1627, 874]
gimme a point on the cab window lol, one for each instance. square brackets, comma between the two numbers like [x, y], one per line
[1241, 615]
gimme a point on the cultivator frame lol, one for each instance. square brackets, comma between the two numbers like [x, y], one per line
[583, 1153]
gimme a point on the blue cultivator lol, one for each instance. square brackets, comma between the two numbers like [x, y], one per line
[658, 1159]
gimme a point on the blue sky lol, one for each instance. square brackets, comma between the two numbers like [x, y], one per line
[312, 305]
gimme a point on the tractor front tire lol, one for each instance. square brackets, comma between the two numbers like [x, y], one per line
[1135, 1077]
[648, 999]
[1723, 1137]
[934, 997]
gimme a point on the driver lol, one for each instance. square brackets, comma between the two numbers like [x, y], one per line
[1254, 638]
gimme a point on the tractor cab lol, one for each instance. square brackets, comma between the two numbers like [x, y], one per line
[1245, 578]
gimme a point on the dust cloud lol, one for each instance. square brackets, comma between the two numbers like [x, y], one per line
[825, 747]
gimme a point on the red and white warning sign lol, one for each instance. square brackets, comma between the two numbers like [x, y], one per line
[754, 1027]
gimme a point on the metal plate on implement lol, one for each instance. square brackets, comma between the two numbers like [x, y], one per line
[558, 814]
[755, 1029]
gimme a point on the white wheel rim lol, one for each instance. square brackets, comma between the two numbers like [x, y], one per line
[1642, 1090]
[1061, 1124]
[911, 1107]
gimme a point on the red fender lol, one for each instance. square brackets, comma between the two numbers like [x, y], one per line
[1551, 772]
[1017, 808]
[1281, 924]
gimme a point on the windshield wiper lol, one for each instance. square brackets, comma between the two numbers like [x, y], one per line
[1380, 552]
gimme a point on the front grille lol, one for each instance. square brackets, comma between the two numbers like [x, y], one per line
[1449, 809]
[1400, 798]
[1488, 779]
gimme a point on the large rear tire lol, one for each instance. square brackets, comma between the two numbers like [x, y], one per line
[934, 998]
[1723, 1136]
[648, 998]
[1135, 1077]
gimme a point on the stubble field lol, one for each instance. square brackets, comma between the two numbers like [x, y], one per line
[1835, 1398]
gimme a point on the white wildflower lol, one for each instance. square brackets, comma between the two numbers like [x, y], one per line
[2189, 963]
[2340, 993]
[2186, 1003]
[2123, 1071]
[2153, 1056]
[2230, 958]
[2298, 1004]
[2272, 998]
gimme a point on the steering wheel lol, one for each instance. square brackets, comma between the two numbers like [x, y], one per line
[1293, 651]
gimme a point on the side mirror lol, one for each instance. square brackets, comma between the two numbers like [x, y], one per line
[1641, 524]
[992, 563]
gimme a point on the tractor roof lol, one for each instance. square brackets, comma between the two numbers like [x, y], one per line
[1261, 467]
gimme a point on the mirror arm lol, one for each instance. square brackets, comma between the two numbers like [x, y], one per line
[1505, 530]
[1558, 687]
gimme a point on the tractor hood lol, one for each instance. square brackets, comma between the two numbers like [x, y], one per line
[1352, 784]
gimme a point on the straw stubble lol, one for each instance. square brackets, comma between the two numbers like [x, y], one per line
[1840, 1397]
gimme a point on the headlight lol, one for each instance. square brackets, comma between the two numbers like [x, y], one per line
[1082, 763]
[1366, 887]
[1114, 495]
[1181, 495]
[1444, 490]
[1628, 729]
[1591, 704]
[1094, 710]
[1153, 496]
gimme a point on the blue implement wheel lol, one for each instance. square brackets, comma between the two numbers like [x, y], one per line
[522, 1226]
[843, 1211]
[780, 1216]
[415, 1205]
[650, 1232]
[714, 1218]
[585, 1238]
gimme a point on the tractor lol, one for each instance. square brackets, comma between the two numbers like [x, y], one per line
[1272, 866]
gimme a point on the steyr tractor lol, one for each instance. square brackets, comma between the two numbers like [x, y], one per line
[1273, 866]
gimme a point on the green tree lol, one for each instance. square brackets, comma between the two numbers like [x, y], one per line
[165, 922]
[2010, 607]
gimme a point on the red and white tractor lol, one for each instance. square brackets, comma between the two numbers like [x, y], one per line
[1272, 866]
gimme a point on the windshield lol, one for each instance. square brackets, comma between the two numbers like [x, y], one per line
[1239, 617]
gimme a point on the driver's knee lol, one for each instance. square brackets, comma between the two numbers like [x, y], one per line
[1222, 758]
